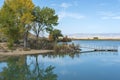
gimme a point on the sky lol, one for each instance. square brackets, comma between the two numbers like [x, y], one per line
[85, 16]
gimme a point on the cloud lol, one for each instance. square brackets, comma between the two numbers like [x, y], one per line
[103, 13]
[76, 3]
[65, 5]
[72, 15]
[53, 4]
[105, 18]
[109, 15]
[116, 17]
[102, 4]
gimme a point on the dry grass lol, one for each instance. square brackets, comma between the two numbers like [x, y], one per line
[18, 50]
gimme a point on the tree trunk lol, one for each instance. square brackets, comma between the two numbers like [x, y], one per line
[25, 39]
[37, 41]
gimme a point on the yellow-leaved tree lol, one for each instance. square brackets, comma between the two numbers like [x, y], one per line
[16, 15]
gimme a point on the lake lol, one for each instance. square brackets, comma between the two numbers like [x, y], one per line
[77, 66]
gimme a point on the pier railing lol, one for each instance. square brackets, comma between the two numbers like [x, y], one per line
[100, 47]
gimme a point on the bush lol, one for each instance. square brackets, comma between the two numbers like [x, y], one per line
[3, 39]
[41, 44]
[65, 48]
[10, 44]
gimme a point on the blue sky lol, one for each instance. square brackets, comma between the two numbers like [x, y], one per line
[85, 16]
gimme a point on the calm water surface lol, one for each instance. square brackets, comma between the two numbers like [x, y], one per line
[85, 66]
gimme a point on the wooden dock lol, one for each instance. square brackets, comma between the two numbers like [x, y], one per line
[100, 48]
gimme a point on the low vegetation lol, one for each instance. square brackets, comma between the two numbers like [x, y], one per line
[66, 48]
[41, 44]
[66, 39]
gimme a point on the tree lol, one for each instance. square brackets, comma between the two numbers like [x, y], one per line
[17, 14]
[8, 24]
[55, 34]
[45, 19]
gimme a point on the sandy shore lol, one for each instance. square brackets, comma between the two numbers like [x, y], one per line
[12, 53]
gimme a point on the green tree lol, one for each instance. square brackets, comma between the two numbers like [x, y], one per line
[55, 34]
[8, 24]
[17, 14]
[45, 19]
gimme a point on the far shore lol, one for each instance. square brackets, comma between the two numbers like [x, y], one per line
[96, 39]
[31, 52]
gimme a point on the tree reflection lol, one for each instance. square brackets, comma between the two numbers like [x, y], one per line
[78, 55]
[18, 69]
[62, 55]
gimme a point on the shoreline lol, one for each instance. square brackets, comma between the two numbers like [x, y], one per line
[31, 52]
[99, 39]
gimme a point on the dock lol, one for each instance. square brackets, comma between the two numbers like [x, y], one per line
[93, 48]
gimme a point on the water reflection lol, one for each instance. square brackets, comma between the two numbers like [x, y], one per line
[62, 55]
[77, 55]
[18, 69]
[69, 66]
[101, 54]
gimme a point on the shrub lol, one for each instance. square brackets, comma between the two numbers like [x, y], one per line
[41, 44]
[66, 48]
